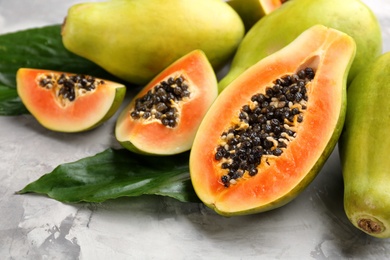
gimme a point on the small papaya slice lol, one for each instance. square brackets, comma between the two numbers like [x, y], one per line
[163, 117]
[364, 146]
[251, 11]
[268, 134]
[68, 102]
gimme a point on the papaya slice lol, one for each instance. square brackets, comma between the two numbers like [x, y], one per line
[364, 146]
[251, 11]
[68, 102]
[268, 134]
[163, 117]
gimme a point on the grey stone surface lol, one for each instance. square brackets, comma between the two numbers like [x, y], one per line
[313, 226]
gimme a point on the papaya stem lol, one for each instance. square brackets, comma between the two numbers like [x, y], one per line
[371, 226]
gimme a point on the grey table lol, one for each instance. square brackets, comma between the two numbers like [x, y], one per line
[313, 226]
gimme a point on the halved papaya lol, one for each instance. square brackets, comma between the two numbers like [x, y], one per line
[268, 134]
[68, 102]
[164, 116]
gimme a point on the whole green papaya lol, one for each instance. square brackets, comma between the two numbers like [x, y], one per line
[136, 39]
[364, 149]
[280, 27]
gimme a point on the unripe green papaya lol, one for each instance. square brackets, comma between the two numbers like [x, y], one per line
[364, 148]
[136, 39]
[284, 24]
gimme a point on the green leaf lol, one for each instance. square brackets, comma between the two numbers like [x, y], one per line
[10, 103]
[117, 173]
[37, 48]
[40, 48]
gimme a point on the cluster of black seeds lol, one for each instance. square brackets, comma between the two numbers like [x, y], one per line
[160, 102]
[266, 126]
[68, 85]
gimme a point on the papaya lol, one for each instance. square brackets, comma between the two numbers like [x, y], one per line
[136, 39]
[163, 117]
[251, 11]
[268, 134]
[68, 102]
[284, 24]
[363, 147]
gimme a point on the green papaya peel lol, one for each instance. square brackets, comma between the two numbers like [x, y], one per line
[282, 26]
[364, 147]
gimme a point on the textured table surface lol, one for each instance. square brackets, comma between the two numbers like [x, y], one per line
[313, 226]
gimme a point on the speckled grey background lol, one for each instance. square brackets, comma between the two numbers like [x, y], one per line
[313, 226]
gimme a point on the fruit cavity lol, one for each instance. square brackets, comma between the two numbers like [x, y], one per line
[265, 126]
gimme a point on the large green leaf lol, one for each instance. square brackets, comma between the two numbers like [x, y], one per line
[37, 48]
[117, 173]
[10, 103]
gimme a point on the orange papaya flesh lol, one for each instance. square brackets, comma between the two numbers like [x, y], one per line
[280, 176]
[68, 102]
[150, 125]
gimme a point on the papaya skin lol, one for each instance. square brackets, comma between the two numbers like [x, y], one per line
[364, 147]
[135, 40]
[276, 30]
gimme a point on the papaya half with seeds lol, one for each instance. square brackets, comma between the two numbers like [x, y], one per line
[68, 102]
[251, 11]
[136, 39]
[364, 146]
[283, 25]
[163, 117]
[268, 134]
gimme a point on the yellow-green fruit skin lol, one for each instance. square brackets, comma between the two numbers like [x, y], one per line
[136, 39]
[364, 149]
[283, 25]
